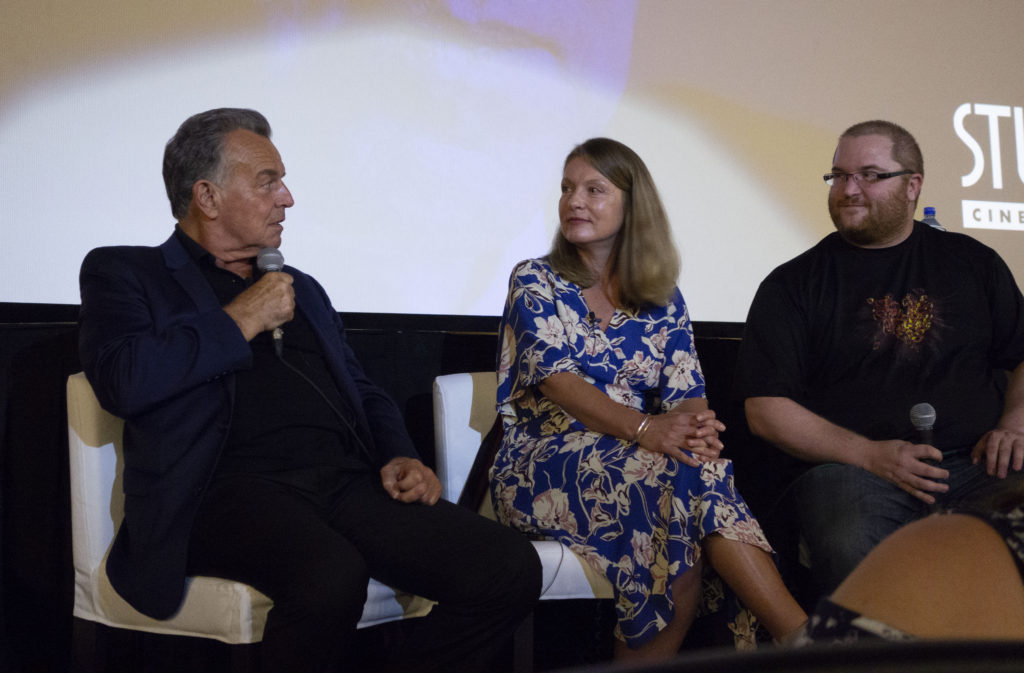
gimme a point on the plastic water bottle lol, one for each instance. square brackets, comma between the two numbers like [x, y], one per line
[929, 218]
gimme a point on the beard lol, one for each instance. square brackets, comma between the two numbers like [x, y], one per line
[884, 221]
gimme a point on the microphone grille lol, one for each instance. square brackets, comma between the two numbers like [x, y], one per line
[269, 259]
[922, 416]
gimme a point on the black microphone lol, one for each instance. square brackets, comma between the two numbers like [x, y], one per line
[922, 417]
[271, 259]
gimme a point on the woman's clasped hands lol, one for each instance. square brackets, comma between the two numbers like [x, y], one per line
[689, 437]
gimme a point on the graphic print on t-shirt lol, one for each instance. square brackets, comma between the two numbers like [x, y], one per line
[908, 320]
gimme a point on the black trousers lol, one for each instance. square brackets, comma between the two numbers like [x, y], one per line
[313, 544]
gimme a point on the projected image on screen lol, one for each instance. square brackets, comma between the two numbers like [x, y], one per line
[423, 140]
[422, 147]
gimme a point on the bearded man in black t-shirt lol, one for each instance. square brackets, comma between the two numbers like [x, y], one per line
[842, 341]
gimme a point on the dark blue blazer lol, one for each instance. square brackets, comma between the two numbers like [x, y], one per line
[160, 352]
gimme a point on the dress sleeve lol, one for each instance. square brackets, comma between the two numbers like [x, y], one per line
[681, 377]
[536, 341]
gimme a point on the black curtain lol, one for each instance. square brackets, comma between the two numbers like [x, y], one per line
[35, 546]
[38, 351]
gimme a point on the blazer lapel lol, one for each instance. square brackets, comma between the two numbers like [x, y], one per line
[318, 313]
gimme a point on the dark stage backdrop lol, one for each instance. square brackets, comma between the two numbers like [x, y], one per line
[402, 353]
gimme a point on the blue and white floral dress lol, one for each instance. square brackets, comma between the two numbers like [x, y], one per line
[636, 516]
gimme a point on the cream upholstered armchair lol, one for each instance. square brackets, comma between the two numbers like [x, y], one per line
[464, 411]
[221, 609]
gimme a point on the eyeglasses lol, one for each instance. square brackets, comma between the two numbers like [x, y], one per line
[862, 177]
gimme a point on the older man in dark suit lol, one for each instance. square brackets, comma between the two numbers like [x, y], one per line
[284, 468]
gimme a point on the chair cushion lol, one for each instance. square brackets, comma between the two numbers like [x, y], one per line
[225, 610]
[464, 410]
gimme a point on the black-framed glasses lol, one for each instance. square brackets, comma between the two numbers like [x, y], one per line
[862, 177]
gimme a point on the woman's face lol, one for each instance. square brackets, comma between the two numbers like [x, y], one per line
[590, 210]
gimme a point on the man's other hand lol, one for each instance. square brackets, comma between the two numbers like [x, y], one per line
[409, 480]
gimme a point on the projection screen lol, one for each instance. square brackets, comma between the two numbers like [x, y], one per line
[424, 140]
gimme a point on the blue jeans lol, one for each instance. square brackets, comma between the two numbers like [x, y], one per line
[844, 511]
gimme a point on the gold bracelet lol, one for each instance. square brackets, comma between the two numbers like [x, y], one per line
[642, 428]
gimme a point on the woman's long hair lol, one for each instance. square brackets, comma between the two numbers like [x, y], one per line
[644, 261]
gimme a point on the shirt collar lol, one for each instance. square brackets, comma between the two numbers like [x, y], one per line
[197, 252]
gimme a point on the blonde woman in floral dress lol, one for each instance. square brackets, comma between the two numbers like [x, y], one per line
[590, 335]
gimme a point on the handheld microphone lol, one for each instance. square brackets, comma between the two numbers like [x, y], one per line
[271, 259]
[922, 417]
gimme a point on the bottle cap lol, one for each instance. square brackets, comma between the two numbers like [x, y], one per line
[929, 211]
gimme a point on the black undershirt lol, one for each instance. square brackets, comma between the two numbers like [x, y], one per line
[280, 423]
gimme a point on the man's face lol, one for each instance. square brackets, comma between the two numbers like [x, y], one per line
[871, 215]
[252, 196]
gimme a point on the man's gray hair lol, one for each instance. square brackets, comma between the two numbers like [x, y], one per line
[194, 153]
